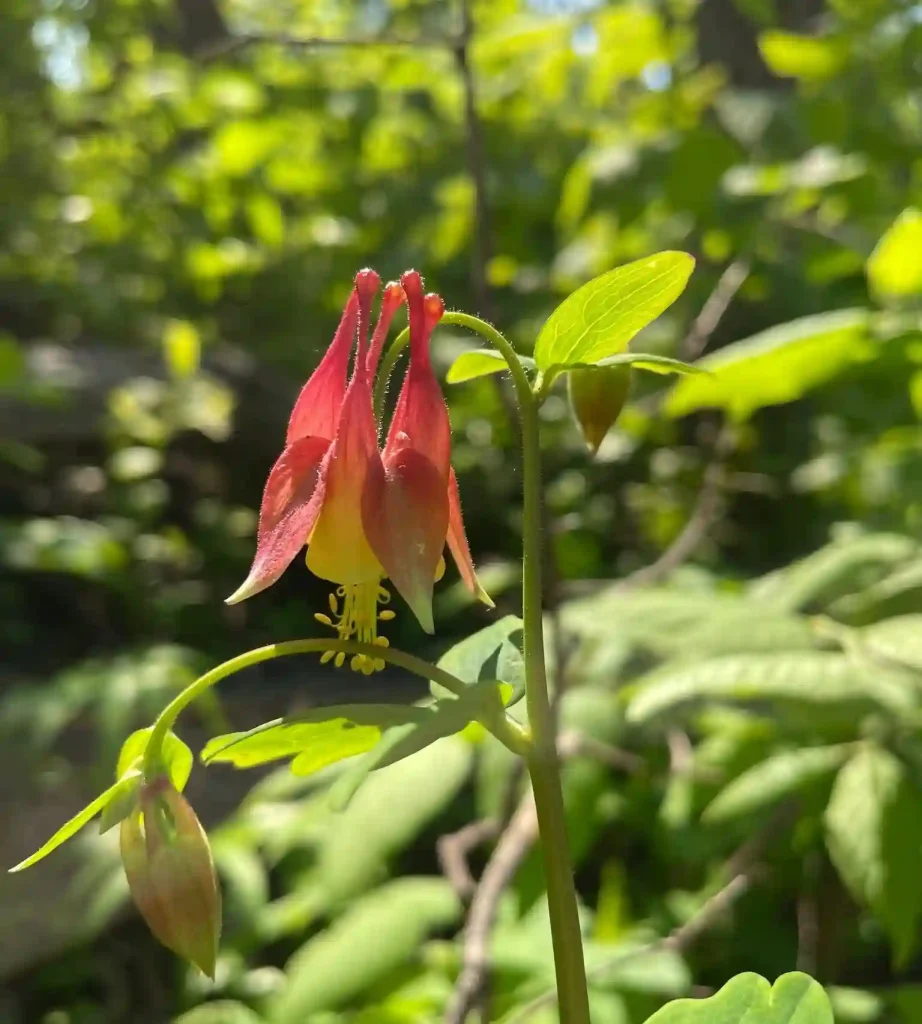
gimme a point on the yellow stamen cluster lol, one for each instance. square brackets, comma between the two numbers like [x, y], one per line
[357, 620]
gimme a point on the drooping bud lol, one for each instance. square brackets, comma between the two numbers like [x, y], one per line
[171, 874]
[597, 396]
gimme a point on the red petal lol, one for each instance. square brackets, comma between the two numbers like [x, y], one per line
[405, 512]
[457, 544]
[421, 417]
[291, 504]
[391, 301]
[316, 412]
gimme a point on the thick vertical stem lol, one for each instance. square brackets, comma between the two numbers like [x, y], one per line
[543, 764]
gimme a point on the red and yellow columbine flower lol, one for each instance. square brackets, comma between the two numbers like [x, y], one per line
[366, 514]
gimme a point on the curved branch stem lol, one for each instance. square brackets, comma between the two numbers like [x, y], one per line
[504, 728]
[487, 331]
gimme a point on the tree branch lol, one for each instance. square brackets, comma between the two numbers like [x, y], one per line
[476, 165]
[510, 851]
[242, 41]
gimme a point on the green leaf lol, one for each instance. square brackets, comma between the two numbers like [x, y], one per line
[377, 935]
[490, 653]
[818, 678]
[749, 999]
[221, 1011]
[181, 349]
[480, 363]
[388, 812]
[776, 366]
[314, 738]
[177, 757]
[895, 266]
[874, 834]
[646, 361]
[832, 571]
[773, 779]
[599, 319]
[898, 640]
[78, 821]
[805, 57]
[445, 718]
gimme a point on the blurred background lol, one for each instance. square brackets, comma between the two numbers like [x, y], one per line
[187, 188]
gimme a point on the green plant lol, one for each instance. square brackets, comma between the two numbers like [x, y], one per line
[366, 515]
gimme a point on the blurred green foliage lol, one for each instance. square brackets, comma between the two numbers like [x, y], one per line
[185, 194]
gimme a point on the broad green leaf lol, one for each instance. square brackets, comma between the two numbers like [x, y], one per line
[315, 738]
[181, 349]
[832, 571]
[896, 594]
[479, 363]
[778, 776]
[874, 834]
[177, 757]
[377, 935]
[490, 653]
[805, 57]
[221, 1011]
[819, 678]
[78, 821]
[749, 999]
[776, 366]
[898, 640]
[895, 266]
[680, 623]
[599, 319]
[388, 812]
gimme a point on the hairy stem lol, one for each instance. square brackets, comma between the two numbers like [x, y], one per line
[487, 331]
[543, 763]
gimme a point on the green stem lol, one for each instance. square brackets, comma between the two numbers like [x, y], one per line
[504, 728]
[472, 323]
[543, 763]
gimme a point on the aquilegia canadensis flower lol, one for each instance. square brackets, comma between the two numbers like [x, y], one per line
[366, 514]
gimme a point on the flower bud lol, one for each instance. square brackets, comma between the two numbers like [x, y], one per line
[171, 874]
[597, 396]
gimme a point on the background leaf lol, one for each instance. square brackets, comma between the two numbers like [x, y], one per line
[775, 366]
[749, 999]
[895, 265]
[874, 833]
[378, 934]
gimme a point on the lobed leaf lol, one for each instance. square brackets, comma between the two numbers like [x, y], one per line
[749, 999]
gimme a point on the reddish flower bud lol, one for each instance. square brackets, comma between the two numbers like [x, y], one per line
[597, 397]
[171, 874]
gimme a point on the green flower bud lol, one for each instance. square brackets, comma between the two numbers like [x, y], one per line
[171, 874]
[597, 396]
